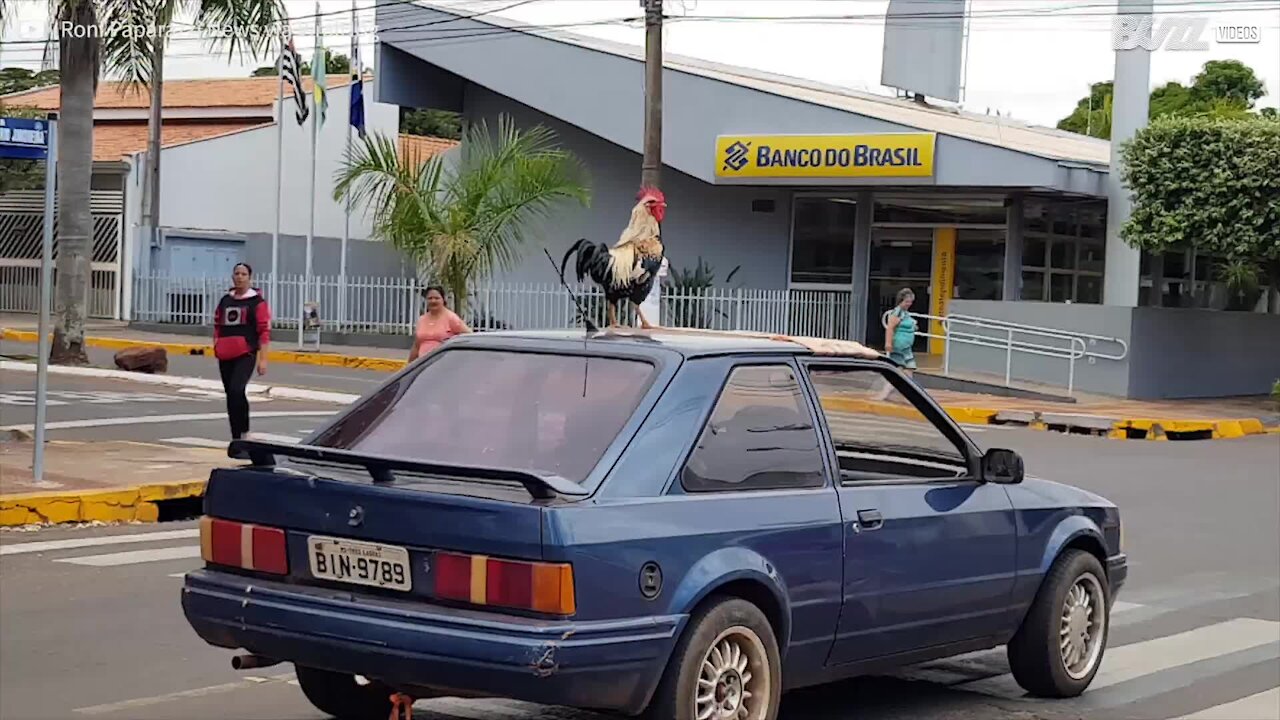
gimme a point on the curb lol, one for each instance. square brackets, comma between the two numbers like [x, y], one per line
[1154, 429]
[296, 357]
[112, 505]
[273, 391]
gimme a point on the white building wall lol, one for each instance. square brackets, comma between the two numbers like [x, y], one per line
[228, 184]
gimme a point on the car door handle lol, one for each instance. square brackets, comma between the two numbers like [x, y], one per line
[870, 519]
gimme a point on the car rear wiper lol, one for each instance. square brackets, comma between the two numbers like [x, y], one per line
[382, 469]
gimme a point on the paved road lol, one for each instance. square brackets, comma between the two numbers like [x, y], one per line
[93, 628]
[98, 409]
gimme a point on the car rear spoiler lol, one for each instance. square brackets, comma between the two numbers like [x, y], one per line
[382, 469]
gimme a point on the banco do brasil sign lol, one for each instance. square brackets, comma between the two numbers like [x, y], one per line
[889, 155]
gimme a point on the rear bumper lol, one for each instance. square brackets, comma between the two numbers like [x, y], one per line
[610, 665]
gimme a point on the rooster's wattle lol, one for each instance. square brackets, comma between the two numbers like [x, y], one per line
[628, 270]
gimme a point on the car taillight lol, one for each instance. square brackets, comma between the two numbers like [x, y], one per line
[251, 547]
[482, 580]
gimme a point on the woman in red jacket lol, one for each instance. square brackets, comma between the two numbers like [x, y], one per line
[241, 332]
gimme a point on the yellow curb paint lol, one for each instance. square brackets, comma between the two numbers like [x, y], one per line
[971, 416]
[351, 362]
[112, 505]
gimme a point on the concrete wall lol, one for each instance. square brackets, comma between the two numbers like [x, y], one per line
[228, 185]
[1101, 376]
[1185, 353]
[1173, 352]
[716, 223]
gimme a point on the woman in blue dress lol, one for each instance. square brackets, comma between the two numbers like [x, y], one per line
[900, 332]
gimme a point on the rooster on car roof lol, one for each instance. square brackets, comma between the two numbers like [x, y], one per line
[628, 270]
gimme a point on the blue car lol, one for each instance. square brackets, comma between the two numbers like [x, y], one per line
[681, 525]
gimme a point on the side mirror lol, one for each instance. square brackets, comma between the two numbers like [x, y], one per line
[1002, 466]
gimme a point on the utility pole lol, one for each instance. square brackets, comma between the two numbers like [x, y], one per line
[651, 169]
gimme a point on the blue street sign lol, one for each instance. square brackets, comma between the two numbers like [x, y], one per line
[23, 139]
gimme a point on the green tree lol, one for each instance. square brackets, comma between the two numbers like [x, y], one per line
[1208, 183]
[432, 123]
[1227, 80]
[1223, 88]
[334, 64]
[459, 223]
[16, 79]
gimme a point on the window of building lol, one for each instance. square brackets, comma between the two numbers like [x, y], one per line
[761, 436]
[1063, 253]
[822, 241]
[979, 264]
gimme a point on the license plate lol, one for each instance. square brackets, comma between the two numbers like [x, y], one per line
[360, 563]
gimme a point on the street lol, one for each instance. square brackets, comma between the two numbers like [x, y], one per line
[92, 625]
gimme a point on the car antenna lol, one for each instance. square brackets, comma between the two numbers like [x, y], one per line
[590, 326]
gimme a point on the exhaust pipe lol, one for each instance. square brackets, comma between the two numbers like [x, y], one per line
[250, 661]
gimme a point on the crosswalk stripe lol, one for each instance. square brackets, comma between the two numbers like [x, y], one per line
[269, 437]
[197, 442]
[134, 557]
[73, 543]
[1262, 706]
[1129, 662]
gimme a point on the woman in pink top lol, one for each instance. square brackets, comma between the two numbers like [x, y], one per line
[436, 325]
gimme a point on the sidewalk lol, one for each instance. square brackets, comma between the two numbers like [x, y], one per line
[105, 481]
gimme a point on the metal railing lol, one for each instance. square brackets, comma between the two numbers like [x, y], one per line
[391, 305]
[957, 328]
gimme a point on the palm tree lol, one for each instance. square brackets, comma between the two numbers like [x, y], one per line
[82, 54]
[462, 222]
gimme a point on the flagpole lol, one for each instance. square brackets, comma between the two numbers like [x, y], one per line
[319, 56]
[275, 236]
[346, 212]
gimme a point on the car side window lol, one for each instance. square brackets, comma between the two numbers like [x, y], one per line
[761, 436]
[878, 433]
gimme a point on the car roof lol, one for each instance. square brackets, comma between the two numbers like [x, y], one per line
[685, 342]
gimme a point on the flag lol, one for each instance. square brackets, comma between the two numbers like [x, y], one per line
[318, 82]
[289, 68]
[357, 80]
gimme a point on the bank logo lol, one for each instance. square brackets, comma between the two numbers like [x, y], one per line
[735, 156]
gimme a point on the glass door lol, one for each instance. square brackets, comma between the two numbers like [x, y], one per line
[900, 258]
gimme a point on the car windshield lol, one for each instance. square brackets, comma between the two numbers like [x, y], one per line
[541, 412]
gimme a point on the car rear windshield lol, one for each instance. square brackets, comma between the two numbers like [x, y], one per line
[520, 410]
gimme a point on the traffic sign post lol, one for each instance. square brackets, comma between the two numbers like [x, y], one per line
[26, 139]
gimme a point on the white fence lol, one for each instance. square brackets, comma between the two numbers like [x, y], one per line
[391, 305]
[20, 289]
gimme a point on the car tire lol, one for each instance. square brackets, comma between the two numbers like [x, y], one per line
[1060, 645]
[727, 648]
[340, 696]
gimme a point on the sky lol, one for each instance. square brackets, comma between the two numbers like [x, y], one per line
[1028, 59]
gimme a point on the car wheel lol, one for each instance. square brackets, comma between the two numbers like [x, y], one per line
[342, 697]
[725, 667]
[1059, 647]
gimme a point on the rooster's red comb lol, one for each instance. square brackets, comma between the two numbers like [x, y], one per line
[647, 194]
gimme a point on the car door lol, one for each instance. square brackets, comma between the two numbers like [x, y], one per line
[929, 549]
[758, 480]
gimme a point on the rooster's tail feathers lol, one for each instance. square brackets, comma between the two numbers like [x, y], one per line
[574, 248]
